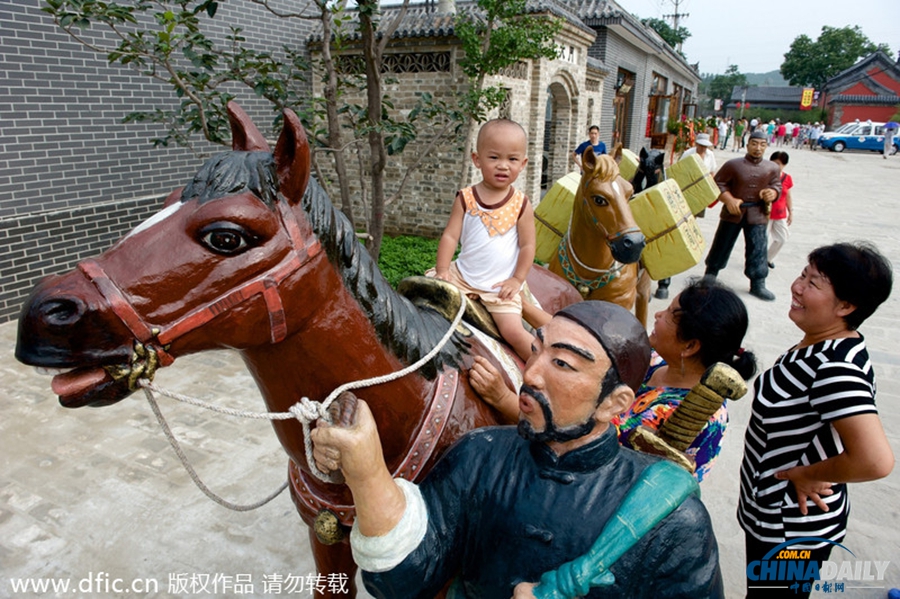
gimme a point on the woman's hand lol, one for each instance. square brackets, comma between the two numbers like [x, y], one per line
[806, 488]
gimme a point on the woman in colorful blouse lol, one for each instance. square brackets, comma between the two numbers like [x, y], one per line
[705, 324]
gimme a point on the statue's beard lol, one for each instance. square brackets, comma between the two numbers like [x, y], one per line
[551, 432]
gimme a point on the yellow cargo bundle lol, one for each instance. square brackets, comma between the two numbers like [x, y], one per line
[674, 241]
[628, 166]
[551, 217]
[696, 182]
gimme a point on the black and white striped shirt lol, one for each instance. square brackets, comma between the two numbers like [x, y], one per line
[794, 404]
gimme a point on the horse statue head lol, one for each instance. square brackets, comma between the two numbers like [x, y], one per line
[599, 252]
[650, 169]
[602, 199]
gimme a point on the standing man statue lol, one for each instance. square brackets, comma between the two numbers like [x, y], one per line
[505, 505]
[593, 142]
[749, 185]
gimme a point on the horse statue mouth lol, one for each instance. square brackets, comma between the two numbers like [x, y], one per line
[627, 248]
[87, 386]
[101, 385]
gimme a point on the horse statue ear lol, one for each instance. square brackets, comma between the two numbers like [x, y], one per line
[292, 158]
[617, 152]
[589, 160]
[245, 137]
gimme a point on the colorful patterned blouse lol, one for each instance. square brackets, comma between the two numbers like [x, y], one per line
[654, 405]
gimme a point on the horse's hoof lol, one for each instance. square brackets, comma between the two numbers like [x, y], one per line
[661, 293]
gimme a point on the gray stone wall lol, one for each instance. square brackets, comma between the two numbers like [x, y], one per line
[73, 177]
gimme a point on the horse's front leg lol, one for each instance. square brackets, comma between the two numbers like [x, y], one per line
[337, 569]
[642, 303]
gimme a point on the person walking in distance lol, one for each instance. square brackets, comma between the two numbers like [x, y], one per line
[782, 210]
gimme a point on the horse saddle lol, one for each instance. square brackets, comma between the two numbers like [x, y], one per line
[444, 298]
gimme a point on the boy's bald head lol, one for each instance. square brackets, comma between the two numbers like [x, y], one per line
[500, 127]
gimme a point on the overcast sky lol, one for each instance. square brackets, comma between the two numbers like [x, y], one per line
[755, 34]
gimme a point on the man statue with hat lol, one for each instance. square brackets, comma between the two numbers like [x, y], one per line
[748, 186]
[551, 508]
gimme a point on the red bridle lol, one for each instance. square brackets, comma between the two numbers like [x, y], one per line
[265, 284]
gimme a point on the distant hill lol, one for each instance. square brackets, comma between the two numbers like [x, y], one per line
[770, 79]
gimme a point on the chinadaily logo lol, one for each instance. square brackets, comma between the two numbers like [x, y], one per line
[784, 567]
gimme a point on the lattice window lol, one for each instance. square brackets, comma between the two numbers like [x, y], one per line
[516, 71]
[505, 108]
[407, 62]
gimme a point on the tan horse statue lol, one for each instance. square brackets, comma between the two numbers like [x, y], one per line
[599, 253]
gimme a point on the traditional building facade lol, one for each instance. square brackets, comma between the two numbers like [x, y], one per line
[611, 71]
[768, 97]
[869, 90]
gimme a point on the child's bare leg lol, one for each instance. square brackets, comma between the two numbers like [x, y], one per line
[534, 315]
[512, 331]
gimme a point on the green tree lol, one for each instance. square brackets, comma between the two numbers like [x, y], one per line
[672, 36]
[721, 86]
[811, 63]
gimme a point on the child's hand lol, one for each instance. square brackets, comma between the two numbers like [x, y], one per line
[508, 288]
[442, 274]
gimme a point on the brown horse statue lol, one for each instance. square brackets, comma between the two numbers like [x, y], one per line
[599, 253]
[252, 255]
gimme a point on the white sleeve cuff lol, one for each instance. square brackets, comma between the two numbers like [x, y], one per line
[379, 554]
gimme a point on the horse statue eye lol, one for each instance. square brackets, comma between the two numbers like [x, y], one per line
[600, 200]
[226, 238]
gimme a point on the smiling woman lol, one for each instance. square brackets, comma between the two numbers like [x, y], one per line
[814, 426]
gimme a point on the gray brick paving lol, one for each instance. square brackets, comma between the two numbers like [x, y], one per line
[99, 490]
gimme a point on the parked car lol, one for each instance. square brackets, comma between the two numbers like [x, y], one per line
[857, 136]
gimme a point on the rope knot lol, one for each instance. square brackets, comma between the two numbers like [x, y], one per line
[307, 410]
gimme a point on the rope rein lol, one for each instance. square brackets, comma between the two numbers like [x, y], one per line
[305, 410]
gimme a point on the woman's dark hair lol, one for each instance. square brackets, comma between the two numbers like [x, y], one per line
[781, 157]
[716, 317]
[859, 274]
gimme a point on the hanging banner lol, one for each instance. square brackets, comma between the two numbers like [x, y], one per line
[806, 99]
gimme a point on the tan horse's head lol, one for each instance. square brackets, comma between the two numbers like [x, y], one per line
[602, 199]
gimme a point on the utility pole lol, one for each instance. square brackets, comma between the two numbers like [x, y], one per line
[675, 18]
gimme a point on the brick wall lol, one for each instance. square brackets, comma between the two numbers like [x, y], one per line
[73, 177]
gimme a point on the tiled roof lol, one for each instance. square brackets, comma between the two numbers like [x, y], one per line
[767, 94]
[595, 10]
[876, 100]
[422, 21]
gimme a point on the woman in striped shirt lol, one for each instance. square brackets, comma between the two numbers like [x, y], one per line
[814, 426]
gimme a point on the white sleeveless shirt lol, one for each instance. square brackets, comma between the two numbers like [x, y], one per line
[489, 238]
